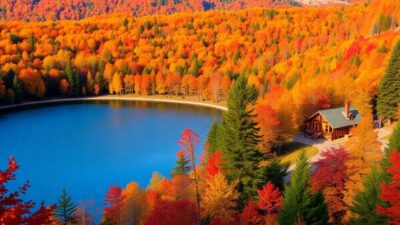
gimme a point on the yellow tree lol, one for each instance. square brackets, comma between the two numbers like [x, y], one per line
[219, 199]
[117, 83]
[364, 151]
[134, 207]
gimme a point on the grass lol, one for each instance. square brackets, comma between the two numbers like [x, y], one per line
[291, 151]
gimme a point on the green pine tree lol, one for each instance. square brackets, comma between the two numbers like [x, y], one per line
[394, 140]
[389, 89]
[394, 144]
[182, 166]
[275, 172]
[318, 210]
[240, 140]
[364, 202]
[65, 208]
[299, 202]
[212, 138]
[17, 89]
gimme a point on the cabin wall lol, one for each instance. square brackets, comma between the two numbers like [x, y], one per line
[318, 126]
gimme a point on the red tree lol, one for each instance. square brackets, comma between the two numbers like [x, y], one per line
[214, 164]
[330, 176]
[188, 141]
[181, 212]
[13, 210]
[390, 192]
[113, 201]
[270, 199]
[250, 215]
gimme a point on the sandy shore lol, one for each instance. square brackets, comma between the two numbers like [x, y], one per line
[118, 98]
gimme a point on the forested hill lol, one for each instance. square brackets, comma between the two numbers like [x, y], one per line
[38, 10]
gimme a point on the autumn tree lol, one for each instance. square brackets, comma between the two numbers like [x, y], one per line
[330, 177]
[65, 208]
[269, 201]
[390, 191]
[113, 205]
[189, 141]
[219, 200]
[166, 212]
[267, 121]
[240, 141]
[135, 206]
[364, 151]
[14, 210]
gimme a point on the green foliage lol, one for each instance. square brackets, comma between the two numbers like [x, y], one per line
[240, 140]
[275, 172]
[182, 167]
[394, 144]
[389, 90]
[212, 138]
[365, 202]
[299, 202]
[18, 91]
[65, 208]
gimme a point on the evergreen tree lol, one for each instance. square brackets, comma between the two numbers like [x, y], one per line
[394, 144]
[318, 210]
[70, 76]
[17, 89]
[182, 166]
[389, 90]
[275, 172]
[240, 140]
[212, 138]
[299, 202]
[365, 202]
[65, 208]
[394, 140]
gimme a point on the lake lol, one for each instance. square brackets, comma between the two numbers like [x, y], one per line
[85, 147]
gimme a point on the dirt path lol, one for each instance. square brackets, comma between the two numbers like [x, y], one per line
[323, 145]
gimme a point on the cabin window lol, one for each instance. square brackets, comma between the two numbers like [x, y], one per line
[326, 128]
[330, 129]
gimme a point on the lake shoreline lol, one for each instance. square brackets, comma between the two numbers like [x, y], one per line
[117, 98]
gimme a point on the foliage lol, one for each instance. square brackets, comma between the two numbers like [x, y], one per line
[13, 210]
[65, 208]
[364, 206]
[330, 177]
[275, 172]
[180, 212]
[182, 167]
[390, 192]
[240, 141]
[299, 202]
[219, 200]
[389, 89]
[113, 205]
[364, 152]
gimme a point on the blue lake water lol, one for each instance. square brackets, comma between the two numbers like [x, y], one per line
[85, 147]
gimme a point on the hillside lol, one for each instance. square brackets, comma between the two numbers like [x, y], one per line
[39, 10]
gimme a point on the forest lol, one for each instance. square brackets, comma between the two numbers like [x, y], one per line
[40, 10]
[272, 67]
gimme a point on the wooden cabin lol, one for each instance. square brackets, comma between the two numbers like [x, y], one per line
[333, 123]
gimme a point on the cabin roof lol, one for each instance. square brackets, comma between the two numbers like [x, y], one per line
[336, 118]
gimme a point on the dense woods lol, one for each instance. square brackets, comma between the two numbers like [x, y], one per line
[39, 10]
[273, 67]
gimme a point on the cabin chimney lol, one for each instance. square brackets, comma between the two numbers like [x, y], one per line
[347, 109]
